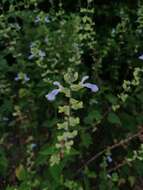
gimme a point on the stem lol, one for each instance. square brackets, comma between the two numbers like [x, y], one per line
[118, 166]
[69, 109]
[110, 148]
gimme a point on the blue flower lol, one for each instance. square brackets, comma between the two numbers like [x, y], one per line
[32, 44]
[17, 26]
[33, 145]
[52, 95]
[109, 159]
[20, 77]
[47, 19]
[92, 87]
[16, 78]
[46, 40]
[5, 119]
[141, 57]
[31, 56]
[113, 31]
[26, 78]
[37, 19]
[42, 54]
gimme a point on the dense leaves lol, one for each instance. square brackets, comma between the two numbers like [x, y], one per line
[64, 135]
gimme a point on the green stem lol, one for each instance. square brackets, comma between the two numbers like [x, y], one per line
[69, 110]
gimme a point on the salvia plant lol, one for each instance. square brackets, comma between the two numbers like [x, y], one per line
[58, 131]
[68, 129]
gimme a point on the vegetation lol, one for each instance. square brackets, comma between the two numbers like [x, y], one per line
[71, 93]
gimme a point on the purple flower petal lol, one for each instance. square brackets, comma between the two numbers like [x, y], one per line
[84, 79]
[26, 78]
[16, 78]
[56, 83]
[52, 95]
[37, 19]
[47, 19]
[42, 54]
[109, 159]
[141, 57]
[32, 44]
[33, 145]
[30, 56]
[92, 87]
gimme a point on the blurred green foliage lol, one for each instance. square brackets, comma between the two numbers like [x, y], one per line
[39, 41]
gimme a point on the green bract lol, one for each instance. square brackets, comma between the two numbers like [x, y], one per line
[68, 129]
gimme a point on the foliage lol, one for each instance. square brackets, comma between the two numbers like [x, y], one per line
[70, 137]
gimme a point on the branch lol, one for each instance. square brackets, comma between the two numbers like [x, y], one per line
[110, 148]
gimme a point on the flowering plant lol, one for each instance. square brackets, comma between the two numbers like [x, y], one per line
[68, 129]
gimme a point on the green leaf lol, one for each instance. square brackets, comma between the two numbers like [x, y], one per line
[46, 150]
[73, 152]
[111, 98]
[94, 115]
[86, 139]
[3, 65]
[3, 162]
[113, 118]
[90, 174]
[21, 173]
[115, 177]
[75, 104]
[76, 87]
[66, 91]
[128, 121]
[56, 172]
[64, 109]
[70, 76]
[63, 125]
[131, 180]
[74, 121]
